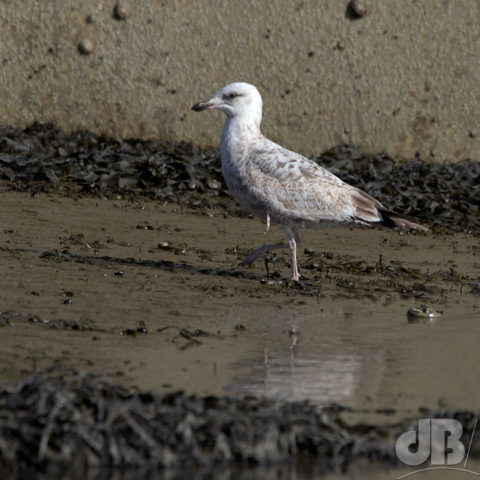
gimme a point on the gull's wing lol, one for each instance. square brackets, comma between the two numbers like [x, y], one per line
[301, 190]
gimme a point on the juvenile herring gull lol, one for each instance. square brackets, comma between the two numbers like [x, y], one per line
[282, 186]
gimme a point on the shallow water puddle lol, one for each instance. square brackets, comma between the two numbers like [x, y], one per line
[373, 358]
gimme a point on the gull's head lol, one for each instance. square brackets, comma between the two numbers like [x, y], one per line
[236, 100]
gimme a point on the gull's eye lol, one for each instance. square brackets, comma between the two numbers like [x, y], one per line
[230, 96]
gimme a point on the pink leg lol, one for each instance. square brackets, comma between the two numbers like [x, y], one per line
[292, 241]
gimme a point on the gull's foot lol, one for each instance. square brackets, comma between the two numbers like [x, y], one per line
[296, 283]
[295, 273]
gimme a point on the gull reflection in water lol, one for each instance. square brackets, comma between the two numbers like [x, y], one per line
[330, 372]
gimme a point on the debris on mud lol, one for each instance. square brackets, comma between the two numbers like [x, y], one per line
[134, 331]
[63, 324]
[186, 338]
[423, 313]
[7, 318]
[354, 278]
[43, 158]
[361, 279]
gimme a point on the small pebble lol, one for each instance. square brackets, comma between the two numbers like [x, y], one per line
[37, 319]
[214, 184]
[85, 47]
[181, 250]
[120, 11]
[422, 314]
[128, 331]
[4, 322]
[357, 8]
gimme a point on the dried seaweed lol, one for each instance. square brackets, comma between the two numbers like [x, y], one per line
[43, 158]
[85, 421]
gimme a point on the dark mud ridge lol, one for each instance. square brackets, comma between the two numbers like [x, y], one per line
[42, 158]
[78, 421]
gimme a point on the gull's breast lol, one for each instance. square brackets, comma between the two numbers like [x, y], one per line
[244, 187]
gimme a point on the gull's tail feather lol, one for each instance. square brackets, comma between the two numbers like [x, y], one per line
[392, 219]
[370, 211]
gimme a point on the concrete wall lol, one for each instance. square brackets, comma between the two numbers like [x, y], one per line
[403, 78]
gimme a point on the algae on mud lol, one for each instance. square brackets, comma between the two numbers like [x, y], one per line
[84, 421]
[76, 421]
[42, 158]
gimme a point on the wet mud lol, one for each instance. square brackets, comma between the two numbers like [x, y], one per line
[151, 295]
[144, 289]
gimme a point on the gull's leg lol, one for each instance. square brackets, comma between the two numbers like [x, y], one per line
[259, 252]
[292, 241]
[297, 237]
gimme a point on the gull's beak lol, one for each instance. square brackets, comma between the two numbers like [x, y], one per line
[213, 103]
[198, 107]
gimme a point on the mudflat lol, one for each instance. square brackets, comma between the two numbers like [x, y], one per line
[150, 294]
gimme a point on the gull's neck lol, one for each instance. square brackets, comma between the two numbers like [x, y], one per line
[239, 133]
